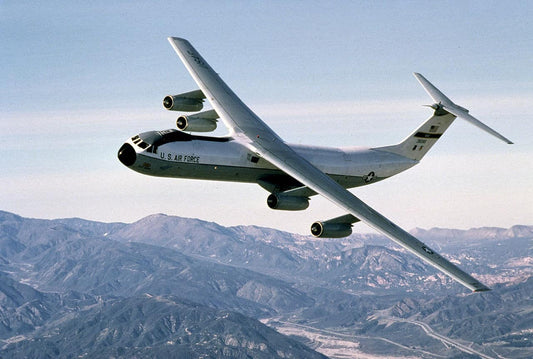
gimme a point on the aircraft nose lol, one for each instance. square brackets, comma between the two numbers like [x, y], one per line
[127, 155]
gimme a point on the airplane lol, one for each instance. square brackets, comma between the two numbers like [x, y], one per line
[291, 173]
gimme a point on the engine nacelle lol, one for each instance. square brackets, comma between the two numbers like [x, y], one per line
[287, 203]
[188, 102]
[338, 227]
[331, 230]
[200, 122]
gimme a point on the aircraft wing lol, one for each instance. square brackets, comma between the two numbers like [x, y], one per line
[258, 137]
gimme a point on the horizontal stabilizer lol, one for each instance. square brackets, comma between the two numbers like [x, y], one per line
[448, 105]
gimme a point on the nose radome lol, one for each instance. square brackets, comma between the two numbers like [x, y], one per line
[127, 155]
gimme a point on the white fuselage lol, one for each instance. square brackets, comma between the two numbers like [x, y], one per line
[224, 159]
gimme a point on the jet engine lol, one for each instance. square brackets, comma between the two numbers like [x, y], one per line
[200, 122]
[287, 203]
[188, 102]
[331, 230]
[339, 227]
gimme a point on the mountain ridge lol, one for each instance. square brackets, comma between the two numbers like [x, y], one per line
[57, 275]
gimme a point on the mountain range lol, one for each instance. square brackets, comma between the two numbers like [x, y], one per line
[168, 286]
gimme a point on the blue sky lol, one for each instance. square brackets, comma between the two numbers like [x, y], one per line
[78, 78]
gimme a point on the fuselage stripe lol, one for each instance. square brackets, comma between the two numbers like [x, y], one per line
[428, 135]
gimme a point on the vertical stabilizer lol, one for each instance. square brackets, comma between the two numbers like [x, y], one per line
[420, 141]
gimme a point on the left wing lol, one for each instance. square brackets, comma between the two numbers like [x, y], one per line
[257, 136]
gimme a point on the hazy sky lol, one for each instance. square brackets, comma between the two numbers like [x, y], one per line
[78, 78]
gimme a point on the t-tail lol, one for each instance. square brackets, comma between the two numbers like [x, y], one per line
[420, 141]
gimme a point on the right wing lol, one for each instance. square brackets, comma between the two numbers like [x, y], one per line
[293, 164]
[258, 137]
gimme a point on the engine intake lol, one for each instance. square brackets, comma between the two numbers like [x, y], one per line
[339, 227]
[287, 203]
[331, 230]
[188, 102]
[200, 122]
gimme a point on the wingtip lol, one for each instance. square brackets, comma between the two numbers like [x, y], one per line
[418, 76]
[480, 287]
[175, 38]
[482, 290]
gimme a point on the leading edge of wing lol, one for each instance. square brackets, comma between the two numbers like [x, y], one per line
[261, 139]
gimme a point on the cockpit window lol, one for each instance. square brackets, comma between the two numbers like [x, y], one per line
[151, 140]
[136, 139]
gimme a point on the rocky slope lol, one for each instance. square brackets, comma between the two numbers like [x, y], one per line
[169, 286]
